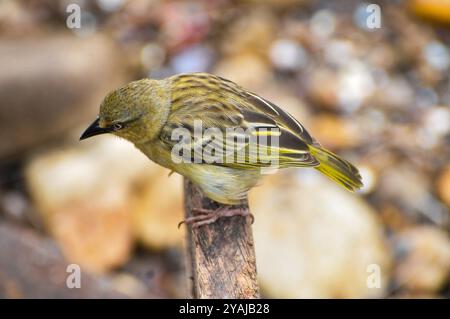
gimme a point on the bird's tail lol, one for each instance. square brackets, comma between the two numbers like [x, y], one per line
[336, 168]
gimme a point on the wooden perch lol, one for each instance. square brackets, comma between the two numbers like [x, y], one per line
[221, 255]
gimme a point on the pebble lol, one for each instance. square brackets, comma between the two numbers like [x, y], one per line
[425, 264]
[437, 55]
[286, 55]
[316, 240]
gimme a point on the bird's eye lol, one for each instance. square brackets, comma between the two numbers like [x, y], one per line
[117, 126]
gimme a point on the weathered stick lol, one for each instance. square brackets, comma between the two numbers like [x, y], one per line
[221, 255]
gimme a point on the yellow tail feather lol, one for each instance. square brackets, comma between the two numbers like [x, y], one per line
[337, 169]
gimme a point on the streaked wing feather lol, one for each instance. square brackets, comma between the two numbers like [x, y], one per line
[221, 104]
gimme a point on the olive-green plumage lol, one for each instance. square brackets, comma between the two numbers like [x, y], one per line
[146, 113]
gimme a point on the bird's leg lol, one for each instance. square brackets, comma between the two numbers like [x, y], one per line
[209, 216]
[204, 211]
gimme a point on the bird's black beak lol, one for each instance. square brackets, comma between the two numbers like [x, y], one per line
[94, 129]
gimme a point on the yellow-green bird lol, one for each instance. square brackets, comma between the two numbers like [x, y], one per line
[149, 113]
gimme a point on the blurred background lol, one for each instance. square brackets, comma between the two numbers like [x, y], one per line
[377, 94]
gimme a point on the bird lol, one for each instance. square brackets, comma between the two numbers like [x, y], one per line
[187, 112]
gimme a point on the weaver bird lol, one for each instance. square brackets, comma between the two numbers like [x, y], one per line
[148, 112]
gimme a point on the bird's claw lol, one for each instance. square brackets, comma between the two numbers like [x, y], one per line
[209, 216]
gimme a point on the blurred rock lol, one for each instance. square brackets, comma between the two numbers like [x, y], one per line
[157, 208]
[50, 85]
[394, 218]
[287, 55]
[315, 240]
[396, 93]
[95, 205]
[249, 70]
[322, 89]
[192, 59]
[426, 97]
[435, 126]
[14, 205]
[443, 185]
[424, 266]
[383, 56]
[250, 34]
[339, 52]
[161, 273]
[110, 5]
[152, 56]
[437, 55]
[128, 285]
[412, 36]
[355, 85]
[183, 23]
[32, 267]
[323, 24]
[16, 19]
[246, 53]
[346, 89]
[86, 231]
[371, 124]
[81, 195]
[410, 188]
[280, 3]
[334, 132]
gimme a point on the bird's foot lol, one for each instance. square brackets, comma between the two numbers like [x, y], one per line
[209, 216]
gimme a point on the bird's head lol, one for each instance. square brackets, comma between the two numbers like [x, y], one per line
[133, 112]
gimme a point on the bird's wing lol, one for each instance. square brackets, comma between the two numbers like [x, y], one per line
[214, 114]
